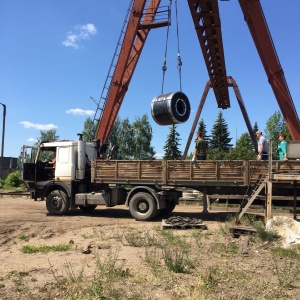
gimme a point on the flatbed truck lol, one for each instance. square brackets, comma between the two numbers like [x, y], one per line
[83, 178]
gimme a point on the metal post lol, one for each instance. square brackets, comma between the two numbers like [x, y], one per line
[3, 132]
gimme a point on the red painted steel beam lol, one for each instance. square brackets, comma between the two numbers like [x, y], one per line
[258, 27]
[231, 83]
[205, 14]
[196, 120]
[133, 43]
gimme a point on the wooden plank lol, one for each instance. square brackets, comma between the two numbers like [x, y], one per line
[186, 172]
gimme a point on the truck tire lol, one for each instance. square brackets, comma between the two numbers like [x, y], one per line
[57, 202]
[143, 207]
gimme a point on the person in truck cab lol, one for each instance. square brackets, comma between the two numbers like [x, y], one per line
[52, 164]
[52, 159]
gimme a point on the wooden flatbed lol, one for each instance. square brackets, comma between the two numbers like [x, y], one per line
[213, 174]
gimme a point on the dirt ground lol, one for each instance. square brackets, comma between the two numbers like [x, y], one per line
[100, 233]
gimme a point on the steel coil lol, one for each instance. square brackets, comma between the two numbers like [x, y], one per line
[170, 108]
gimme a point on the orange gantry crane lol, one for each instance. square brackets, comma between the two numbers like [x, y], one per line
[144, 15]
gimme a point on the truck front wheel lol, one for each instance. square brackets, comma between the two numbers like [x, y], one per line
[143, 207]
[57, 202]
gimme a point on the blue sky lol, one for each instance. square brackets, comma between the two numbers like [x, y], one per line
[55, 55]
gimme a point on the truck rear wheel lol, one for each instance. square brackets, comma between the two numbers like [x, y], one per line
[143, 207]
[57, 202]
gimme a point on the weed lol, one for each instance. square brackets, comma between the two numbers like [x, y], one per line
[287, 273]
[210, 278]
[169, 237]
[24, 238]
[287, 253]
[177, 259]
[265, 235]
[108, 268]
[18, 280]
[198, 235]
[140, 239]
[45, 249]
[153, 259]
[225, 249]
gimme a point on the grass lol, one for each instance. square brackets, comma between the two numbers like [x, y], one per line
[24, 238]
[285, 253]
[151, 263]
[265, 235]
[45, 249]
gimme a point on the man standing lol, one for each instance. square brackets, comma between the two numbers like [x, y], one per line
[263, 149]
[200, 150]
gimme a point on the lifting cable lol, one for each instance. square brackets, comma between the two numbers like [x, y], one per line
[178, 51]
[179, 62]
[164, 67]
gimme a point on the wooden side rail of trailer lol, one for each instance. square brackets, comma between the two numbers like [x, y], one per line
[185, 173]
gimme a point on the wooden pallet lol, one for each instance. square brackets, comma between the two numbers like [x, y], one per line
[182, 226]
[242, 230]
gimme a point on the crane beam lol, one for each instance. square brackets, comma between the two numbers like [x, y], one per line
[259, 30]
[205, 14]
[139, 25]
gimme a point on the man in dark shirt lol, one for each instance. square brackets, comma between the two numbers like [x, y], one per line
[200, 150]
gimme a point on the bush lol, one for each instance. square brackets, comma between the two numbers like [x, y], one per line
[13, 180]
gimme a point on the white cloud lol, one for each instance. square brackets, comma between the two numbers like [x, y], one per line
[80, 32]
[27, 124]
[32, 140]
[80, 112]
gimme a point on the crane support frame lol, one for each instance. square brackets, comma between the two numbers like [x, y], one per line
[255, 19]
[205, 15]
[139, 25]
[231, 83]
[207, 23]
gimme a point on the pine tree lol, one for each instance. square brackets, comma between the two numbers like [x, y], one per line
[255, 128]
[202, 129]
[171, 146]
[220, 140]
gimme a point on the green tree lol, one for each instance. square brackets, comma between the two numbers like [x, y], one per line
[89, 130]
[243, 148]
[220, 140]
[142, 136]
[114, 135]
[274, 126]
[171, 146]
[47, 135]
[125, 140]
[133, 140]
